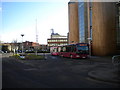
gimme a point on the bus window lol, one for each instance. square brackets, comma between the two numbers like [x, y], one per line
[73, 49]
[83, 48]
[64, 49]
[68, 49]
[59, 49]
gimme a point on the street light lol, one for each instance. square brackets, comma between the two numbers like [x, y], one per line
[89, 39]
[22, 42]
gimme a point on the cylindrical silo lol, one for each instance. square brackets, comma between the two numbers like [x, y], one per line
[103, 28]
[73, 22]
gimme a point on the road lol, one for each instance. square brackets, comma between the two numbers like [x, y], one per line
[53, 72]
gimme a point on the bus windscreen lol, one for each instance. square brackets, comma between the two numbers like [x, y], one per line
[83, 48]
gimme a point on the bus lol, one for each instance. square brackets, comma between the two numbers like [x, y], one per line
[79, 50]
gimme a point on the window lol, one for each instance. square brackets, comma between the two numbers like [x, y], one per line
[73, 48]
[82, 48]
[91, 20]
[59, 49]
[81, 22]
[48, 40]
[68, 49]
[64, 49]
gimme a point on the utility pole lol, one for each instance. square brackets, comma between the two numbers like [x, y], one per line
[89, 41]
[36, 38]
[22, 42]
[36, 32]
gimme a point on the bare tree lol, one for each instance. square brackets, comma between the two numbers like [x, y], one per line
[14, 46]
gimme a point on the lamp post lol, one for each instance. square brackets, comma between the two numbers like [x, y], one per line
[22, 42]
[89, 40]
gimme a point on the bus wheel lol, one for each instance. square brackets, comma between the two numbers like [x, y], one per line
[71, 56]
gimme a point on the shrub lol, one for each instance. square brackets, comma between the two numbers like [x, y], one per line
[16, 56]
[29, 57]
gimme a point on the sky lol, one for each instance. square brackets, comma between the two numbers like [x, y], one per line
[18, 18]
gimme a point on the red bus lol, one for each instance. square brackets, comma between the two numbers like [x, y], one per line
[79, 50]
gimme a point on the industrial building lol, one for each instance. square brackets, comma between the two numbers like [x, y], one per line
[96, 23]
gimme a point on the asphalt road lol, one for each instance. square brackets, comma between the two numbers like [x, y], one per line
[54, 72]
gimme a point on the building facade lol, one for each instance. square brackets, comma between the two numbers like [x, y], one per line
[104, 28]
[118, 27]
[73, 22]
[30, 45]
[57, 40]
[11, 47]
[17, 47]
[97, 22]
[44, 47]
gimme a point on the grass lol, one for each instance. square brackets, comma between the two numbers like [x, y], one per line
[29, 57]
[17, 56]
[34, 57]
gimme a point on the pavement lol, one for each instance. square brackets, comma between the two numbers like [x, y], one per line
[107, 72]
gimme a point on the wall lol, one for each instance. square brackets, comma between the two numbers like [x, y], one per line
[104, 28]
[73, 22]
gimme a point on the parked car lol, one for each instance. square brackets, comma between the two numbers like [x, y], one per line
[1, 51]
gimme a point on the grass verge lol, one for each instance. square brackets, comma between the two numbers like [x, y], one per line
[28, 57]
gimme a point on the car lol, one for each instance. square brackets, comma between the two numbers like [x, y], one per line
[1, 51]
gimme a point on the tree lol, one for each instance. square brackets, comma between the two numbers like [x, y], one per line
[14, 46]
